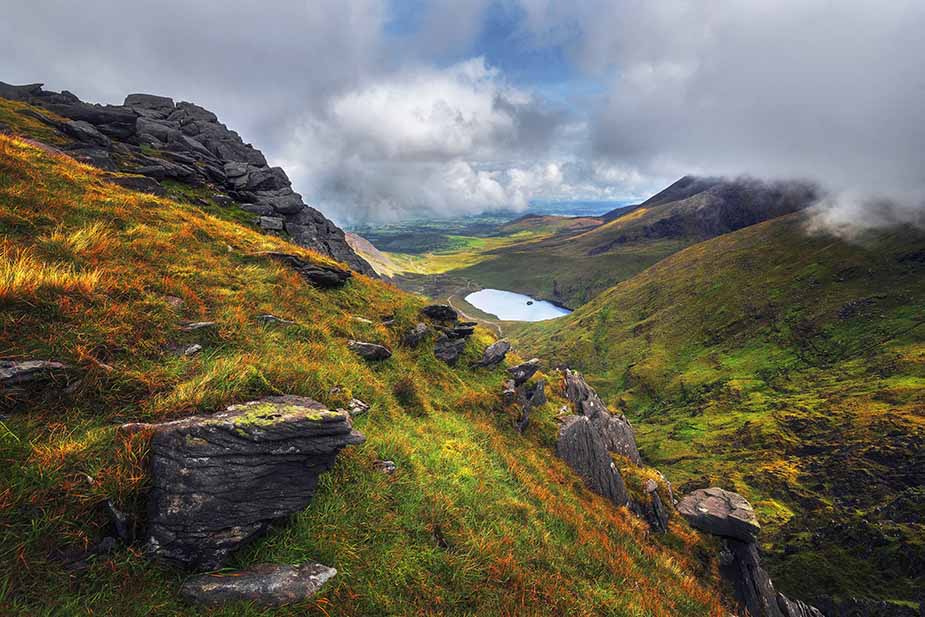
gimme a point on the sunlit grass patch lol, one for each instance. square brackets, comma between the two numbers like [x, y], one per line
[25, 278]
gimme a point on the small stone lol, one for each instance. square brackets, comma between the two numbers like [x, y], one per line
[264, 585]
[369, 351]
[192, 350]
[386, 467]
[356, 407]
[174, 302]
[198, 325]
[267, 318]
[415, 335]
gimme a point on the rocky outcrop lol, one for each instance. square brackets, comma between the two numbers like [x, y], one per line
[319, 275]
[264, 585]
[449, 349]
[15, 375]
[615, 430]
[415, 335]
[860, 607]
[582, 448]
[531, 396]
[370, 351]
[720, 513]
[494, 354]
[219, 481]
[731, 517]
[654, 511]
[451, 342]
[154, 137]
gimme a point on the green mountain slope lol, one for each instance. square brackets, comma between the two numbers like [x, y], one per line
[574, 265]
[477, 519]
[790, 366]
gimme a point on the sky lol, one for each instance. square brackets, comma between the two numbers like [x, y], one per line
[380, 110]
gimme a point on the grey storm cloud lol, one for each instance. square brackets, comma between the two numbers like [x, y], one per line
[833, 91]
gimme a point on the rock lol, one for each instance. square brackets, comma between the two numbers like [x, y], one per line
[270, 223]
[369, 351]
[457, 331]
[615, 430]
[219, 481]
[654, 512]
[440, 312]
[494, 353]
[581, 447]
[222, 200]
[531, 395]
[508, 391]
[386, 467]
[720, 513]
[192, 350]
[85, 132]
[741, 566]
[120, 523]
[319, 275]
[142, 184]
[449, 349]
[273, 319]
[356, 407]
[18, 374]
[174, 302]
[193, 326]
[148, 101]
[263, 585]
[797, 608]
[524, 371]
[415, 335]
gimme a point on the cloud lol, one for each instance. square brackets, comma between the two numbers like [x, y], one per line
[834, 91]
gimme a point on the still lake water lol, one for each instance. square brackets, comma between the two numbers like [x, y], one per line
[511, 306]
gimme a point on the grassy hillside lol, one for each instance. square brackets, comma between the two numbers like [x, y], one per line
[788, 366]
[477, 520]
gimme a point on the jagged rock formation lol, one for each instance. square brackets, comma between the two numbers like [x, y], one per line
[615, 430]
[453, 333]
[151, 136]
[581, 447]
[654, 511]
[524, 371]
[219, 481]
[264, 584]
[730, 516]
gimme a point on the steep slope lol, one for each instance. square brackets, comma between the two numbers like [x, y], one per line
[790, 366]
[178, 143]
[116, 284]
[571, 268]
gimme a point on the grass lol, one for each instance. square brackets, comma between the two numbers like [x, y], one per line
[477, 520]
[789, 367]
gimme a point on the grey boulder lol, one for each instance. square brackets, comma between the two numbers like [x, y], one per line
[494, 353]
[449, 349]
[414, 336]
[524, 371]
[440, 312]
[264, 585]
[615, 430]
[319, 275]
[219, 481]
[720, 513]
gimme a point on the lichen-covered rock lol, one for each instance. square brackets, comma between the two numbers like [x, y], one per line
[720, 513]
[524, 371]
[19, 374]
[319, 275]
[581, 447]
[494, 353]
[218, 481]
[615, 430]
[264, 585]
[370, 351]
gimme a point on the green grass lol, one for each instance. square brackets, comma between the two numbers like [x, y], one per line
[477, 520]
[786, 366]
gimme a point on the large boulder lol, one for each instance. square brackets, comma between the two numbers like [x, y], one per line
[524, 371]
[494, 353]
[615, 429]
[440, 312]
[148, 101]
[219, 481]
[582, 448]
[720, 513]
[264, 585]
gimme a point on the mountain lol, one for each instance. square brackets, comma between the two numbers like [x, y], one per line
[789, 366]
[183, 144]
[574, 266]
[175, 383]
